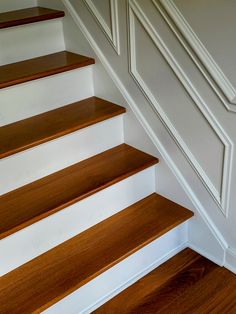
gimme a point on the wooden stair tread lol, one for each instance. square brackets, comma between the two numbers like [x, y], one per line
[187, 283]
[48, 278]
[50, 194]
[36, 68]
[26, 16]
[36, 130]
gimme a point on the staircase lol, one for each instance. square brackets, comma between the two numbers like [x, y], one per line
[79, 213]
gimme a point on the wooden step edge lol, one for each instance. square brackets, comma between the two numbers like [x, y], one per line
[142, 216]
[15, 128]
[27, 16]
[41, 67]
[151, 162]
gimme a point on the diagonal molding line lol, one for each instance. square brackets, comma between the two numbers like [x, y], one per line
[112, 33]
[214, 75]
[138, 114]
[220, 197]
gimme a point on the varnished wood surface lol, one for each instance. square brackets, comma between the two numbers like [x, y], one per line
[48, 278]
[32, 69]
[26, 16]
[33, 131]
[188, 283]
[48, 195]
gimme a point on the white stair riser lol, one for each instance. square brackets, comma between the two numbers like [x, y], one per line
[110, 283]
[11, 5]
[42, 38]
[40, 161]
[38, 238]
[28, 99]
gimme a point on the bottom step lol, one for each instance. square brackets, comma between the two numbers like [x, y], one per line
[54, 275]
[187, 283]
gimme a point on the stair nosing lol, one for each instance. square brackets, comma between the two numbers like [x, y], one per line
[41, 74]
[61, 133]
[55, 14]
[152, 162]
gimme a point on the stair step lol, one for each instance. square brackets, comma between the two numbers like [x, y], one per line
[39, 129]
[40, 67]
[29, 15]
[48, 278]
[166, 287]
[50, 194]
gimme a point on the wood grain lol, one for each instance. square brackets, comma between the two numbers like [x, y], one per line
[48, 195]
[36, 130]
[36, 68]
[187, 283]
[45, 280]
[29, 15]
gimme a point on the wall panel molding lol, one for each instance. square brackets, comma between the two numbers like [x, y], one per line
[112, 33]
[221, 197]
[218, 80]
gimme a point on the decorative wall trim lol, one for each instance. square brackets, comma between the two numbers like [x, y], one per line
[143, 122]
[112, 33]
[220, 197]
[220, 83]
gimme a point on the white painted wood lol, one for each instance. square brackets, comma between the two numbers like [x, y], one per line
[230, 259]
[182, 172]
[40, 161]
[38, 238]
[31, 41]
[10, 5]
[110, 283]
[142, 35]
[210, 49]
[28, 99]
[111, 30]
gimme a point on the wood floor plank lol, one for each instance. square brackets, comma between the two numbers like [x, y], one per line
[36, 68]
[48, 195]
[53, 275]
[39, 129]
[28, 15]
[187, 283]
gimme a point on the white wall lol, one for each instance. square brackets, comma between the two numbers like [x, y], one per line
[9, 5]
[176, 108]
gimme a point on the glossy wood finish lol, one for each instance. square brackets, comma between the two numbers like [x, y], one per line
[188, 283]
[30, 132]
[26, 16]
[36, 68]
[48, 195]
[55, 274]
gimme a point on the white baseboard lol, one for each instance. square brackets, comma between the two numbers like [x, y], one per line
[110, 283]
[38, 39]
[28, 99]
[47, 233]
[230, 260]
[42, 160]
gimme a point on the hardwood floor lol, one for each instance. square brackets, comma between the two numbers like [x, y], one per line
[186, 284]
